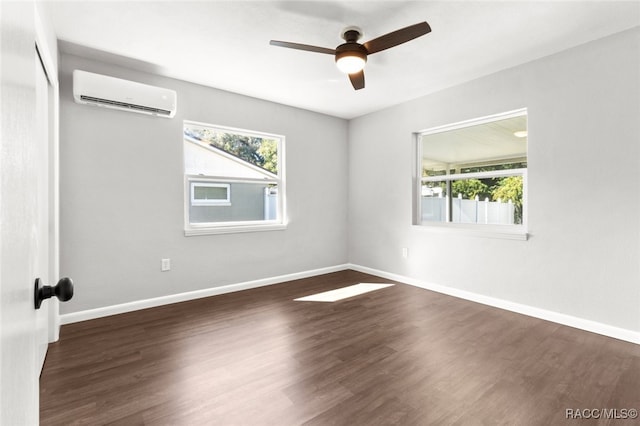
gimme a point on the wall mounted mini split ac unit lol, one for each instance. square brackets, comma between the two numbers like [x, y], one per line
[111, 92]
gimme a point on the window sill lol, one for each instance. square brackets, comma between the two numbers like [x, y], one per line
[210, 204]
[507, 232]
[208, 230]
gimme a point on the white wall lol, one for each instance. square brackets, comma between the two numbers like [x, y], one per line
[122, 195]
[584, 134]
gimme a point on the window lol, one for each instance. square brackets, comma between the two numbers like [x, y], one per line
[210, 194]
[234, 180]
[473, 174]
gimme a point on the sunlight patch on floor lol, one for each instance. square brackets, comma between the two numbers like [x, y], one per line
[342, 293]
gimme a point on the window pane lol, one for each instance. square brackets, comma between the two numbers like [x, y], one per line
[210, 193]
[481, 147]
[434, 201]
[250, 202]
[496, 201]
[256, 150]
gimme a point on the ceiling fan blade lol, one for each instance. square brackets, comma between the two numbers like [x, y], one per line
[302, 47]
[397, 37]
[357, 79]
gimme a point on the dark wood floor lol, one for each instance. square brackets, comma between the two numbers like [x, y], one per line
[400, 355]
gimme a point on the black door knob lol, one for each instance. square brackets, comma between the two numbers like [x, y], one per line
[63, 290]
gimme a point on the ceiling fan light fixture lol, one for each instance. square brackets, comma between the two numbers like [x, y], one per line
[350, 64]
[350, 58]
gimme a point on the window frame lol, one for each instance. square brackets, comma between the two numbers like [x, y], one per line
[515, 231]
[212, 228]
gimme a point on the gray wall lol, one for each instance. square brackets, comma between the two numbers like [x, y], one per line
[122, 195]
[583, 140]
[584, 136]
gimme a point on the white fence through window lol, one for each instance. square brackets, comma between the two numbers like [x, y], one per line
[434, 209]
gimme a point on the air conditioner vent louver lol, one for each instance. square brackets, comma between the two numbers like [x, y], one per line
[125, 105]
[124, 95]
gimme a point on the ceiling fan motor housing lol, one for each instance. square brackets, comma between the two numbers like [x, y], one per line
[351, 34]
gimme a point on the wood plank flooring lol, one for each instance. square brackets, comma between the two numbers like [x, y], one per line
[400, 355]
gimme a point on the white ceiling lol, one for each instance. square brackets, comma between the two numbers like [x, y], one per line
[225, 44]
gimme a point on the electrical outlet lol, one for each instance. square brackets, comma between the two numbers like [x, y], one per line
[166, 265]
[405, 252]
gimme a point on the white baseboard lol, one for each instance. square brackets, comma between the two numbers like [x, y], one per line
[191, 295]
[559, 318]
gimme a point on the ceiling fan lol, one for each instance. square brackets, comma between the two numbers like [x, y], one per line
[351, 55]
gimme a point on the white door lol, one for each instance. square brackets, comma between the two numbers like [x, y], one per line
[41, 142]
[24, 214]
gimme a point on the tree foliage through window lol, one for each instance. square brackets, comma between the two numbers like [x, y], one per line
[261, 152]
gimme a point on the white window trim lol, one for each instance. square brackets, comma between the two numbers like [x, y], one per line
[233, 228]
[512, 232]
[509, 232]
[213, 228]
[206, 202]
